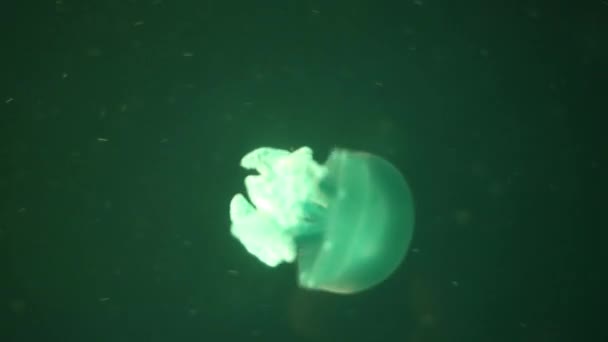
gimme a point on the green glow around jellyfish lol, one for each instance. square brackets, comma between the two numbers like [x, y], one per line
[348, 223]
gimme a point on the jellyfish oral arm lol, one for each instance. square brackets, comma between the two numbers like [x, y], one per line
[281, 196]
[260, 233]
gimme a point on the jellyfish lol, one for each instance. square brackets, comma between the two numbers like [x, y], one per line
[347, 223]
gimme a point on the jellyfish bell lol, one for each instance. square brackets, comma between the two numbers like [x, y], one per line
[367, 227]
[347, 223]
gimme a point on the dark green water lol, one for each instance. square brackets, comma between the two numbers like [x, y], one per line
[124, 121]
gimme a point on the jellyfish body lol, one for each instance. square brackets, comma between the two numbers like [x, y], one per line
[348, 223]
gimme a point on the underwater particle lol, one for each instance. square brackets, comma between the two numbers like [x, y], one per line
[17, 306]
[348, 223]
